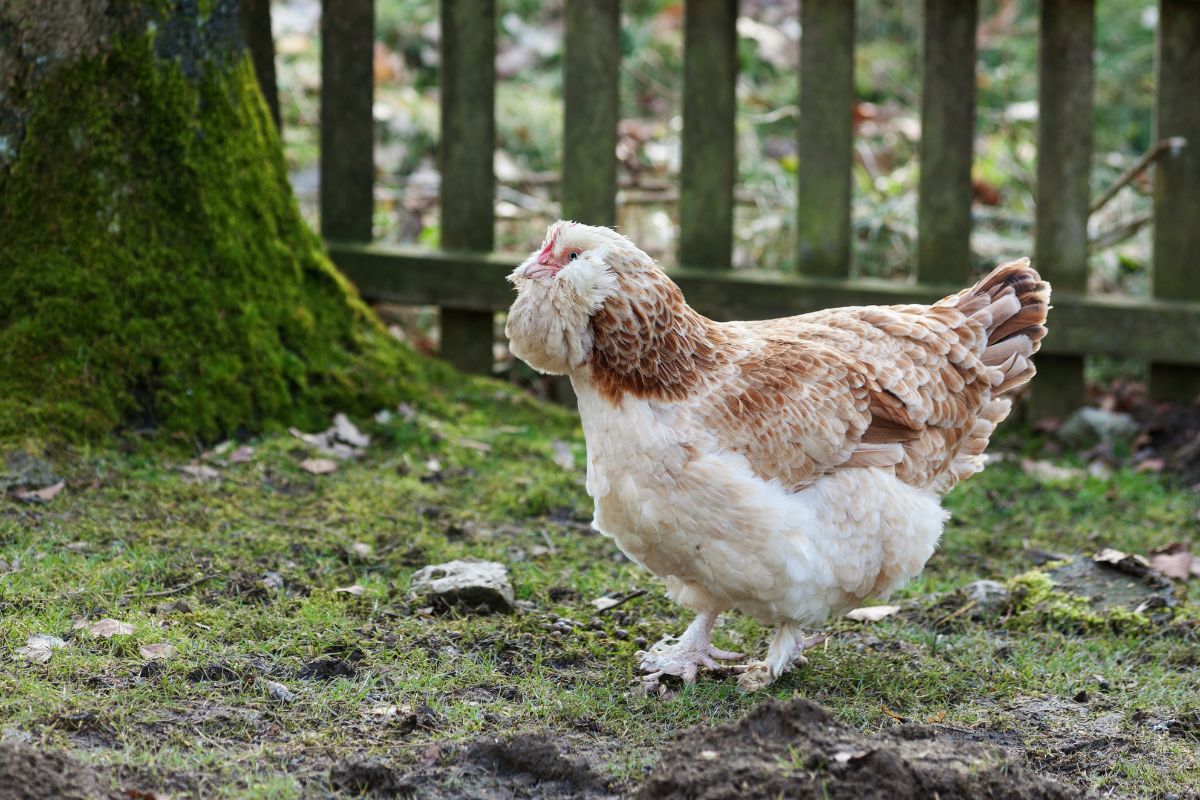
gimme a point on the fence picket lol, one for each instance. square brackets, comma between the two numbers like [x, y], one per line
[592, 52]
[1177, 180]
[466, 152]
[709, 161]
[947, 137]
[1064, 161]
[347, 127]
[826, 137]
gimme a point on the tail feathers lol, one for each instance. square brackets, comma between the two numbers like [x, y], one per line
[1010, 308]
[1010, 305]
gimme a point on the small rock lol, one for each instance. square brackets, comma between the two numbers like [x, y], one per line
[988, 596]
[473, 584]
[278, 692]
[1089, 427]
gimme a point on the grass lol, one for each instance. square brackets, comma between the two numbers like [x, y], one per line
[202, 723]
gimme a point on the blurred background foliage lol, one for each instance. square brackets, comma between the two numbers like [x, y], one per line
[529, 121]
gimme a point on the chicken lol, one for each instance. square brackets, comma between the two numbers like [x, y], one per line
[790, 468]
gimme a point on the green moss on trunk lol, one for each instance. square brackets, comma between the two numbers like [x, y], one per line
[155, 270]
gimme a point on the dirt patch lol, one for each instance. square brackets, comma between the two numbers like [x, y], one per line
[1172, 433]
[30, 774]
[531, 766]
[326, 669]
[370, 776]
[798, 750]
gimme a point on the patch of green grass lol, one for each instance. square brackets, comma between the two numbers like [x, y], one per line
[203, 722]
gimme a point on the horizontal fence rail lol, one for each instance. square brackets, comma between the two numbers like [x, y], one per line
[466, 280]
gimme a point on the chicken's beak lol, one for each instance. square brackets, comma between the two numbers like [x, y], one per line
[543, 267]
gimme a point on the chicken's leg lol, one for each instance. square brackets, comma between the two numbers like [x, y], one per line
[786, 651]
[684, 655]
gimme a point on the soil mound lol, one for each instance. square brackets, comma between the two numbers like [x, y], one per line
[797, 750]
[30, 774]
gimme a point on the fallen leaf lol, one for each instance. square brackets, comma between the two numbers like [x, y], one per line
[43, 495]
[891, 713]
[152, 652]
[1151, 465]
[39, 646]
[354, 589]
[934, 719]
[1175, 561]
[1046, 471]
[200, 472]
[872, 613]
[362, 549]
[563, 456]
[345, 431]
[319, 466]
[601, 603]
[241, 455]
[105, 628]
[1128, 563]
[433, 465]
[471, 444]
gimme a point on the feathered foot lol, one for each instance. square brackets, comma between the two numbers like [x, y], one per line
[786, 651]
[682, 657]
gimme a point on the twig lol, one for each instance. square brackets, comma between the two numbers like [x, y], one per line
[1119, 233]
[623, 600]
[183, 587]
[1174, 145]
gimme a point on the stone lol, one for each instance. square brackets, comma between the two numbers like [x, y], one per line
[988, 595]
[473, 584]
[1089, 427]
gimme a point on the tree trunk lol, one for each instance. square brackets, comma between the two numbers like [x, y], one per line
[154, 268]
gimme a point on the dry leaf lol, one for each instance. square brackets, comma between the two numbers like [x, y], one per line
[602, 603]
[471, 444]
[241, 455]
[200, 472]
[152, 652]
[105, 628]
[347, 432]
[1175, 561]
[1046, 471]
[43, 495]
[362, 549]
[319, 466]
[872, 613]
[354, 589]
[39, 646]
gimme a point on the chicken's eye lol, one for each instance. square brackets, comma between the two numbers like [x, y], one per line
[574, 256]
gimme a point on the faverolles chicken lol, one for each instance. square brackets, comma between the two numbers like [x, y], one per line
[788, 468]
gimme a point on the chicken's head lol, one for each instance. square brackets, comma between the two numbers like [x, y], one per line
[560, 286]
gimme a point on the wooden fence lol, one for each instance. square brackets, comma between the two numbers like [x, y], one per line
[465, 279]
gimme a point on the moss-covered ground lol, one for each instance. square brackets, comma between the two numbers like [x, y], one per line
[240, 574]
